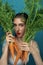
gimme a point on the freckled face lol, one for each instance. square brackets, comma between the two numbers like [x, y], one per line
[19, 27]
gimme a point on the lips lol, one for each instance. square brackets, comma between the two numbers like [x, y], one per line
[18, 33]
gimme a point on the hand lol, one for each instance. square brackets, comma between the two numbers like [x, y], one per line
[24, 46]
[9, 38]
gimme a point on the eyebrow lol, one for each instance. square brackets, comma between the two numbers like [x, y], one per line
[19, 24]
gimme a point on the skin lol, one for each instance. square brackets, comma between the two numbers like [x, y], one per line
[19, 27]
[3, 60]
[34, 50]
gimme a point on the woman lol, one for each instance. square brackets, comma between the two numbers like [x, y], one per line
[19, 27]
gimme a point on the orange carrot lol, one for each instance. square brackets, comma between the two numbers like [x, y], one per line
[20, 54]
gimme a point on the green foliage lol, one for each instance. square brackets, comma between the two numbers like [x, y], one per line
[6, 15]
[34, 22]
[35, 19]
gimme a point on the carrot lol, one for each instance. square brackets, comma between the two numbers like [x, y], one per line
[20, 54]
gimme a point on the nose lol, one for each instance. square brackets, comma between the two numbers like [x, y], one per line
[17, 28]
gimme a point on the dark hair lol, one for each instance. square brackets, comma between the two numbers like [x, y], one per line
[21, 15]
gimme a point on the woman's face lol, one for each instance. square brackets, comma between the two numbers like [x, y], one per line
[19, 27]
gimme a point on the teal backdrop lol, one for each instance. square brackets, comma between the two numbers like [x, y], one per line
[18, 6]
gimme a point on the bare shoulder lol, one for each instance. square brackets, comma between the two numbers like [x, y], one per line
[33, 43]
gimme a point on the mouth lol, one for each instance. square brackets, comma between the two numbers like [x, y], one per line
[18, 33]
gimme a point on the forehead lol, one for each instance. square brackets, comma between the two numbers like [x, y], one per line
[18, 20]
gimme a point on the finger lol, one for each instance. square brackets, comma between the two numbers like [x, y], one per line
[10, 41]
[8, 33]
[24, 45]
[24, 49]
[10, 36]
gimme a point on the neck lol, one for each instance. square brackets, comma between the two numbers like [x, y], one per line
[19, 39]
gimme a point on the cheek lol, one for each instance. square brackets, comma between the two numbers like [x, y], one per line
[22, 30]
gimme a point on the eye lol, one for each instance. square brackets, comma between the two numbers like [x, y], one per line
[14, 25]
[21, 25]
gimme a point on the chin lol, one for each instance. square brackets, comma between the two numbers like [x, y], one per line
[19, 36]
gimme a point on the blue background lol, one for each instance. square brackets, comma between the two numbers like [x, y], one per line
[18, 6]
